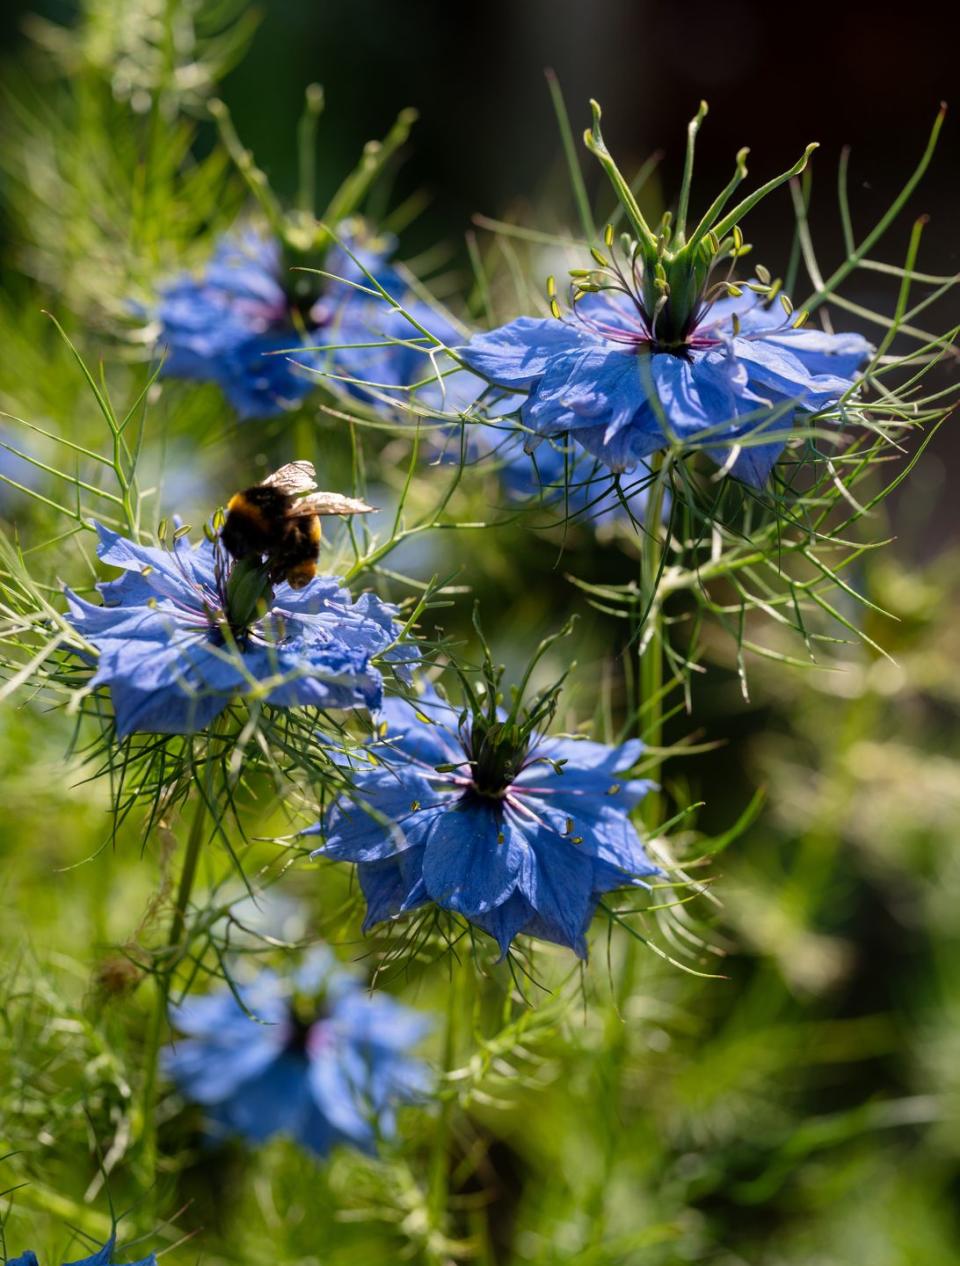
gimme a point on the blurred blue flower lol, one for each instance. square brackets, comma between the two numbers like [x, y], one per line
[314, 1056]
[104, 1257]
[174, 655]
[516, 839]
[227, 325]
[599, 375]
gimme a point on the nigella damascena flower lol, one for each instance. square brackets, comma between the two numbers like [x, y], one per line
[184, 630]
[103, 1257]
[227, 324]
[313, 1056]
[604, 375]
[659, 348]
[394, 367]
[517, 831]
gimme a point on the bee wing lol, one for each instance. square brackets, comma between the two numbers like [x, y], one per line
[327, 503]
[294, 478]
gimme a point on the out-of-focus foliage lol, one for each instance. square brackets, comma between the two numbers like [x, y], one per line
[776, 1085]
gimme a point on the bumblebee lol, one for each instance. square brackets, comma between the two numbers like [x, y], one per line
[279, 519]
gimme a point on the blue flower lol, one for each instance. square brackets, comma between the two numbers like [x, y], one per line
[104, 1257]
[314, 1056]
[174, 656]
[515, 838]
[227, 325]
[740, 372]
[393, 367]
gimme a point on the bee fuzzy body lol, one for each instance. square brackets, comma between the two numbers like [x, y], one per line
[279, 520]
[295, 556]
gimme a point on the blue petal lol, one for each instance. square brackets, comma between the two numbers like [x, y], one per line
[172, 572]
[266, 375]
[102, 1257]
[337, 1081]
[385, 819]
[392, 887]
[685, 410]
[772, 365]
[506, 921]
[275, 1101]
[474, 858]
[379, 1023]
[595, 385]
[516, 355]
[559, 886]
[544, 929]
[432, 741]
[166, 711]
[640, 440]
[209, 1080]
[821, 353]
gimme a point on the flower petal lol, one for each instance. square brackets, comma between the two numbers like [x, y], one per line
[474, 857]
[516, 355]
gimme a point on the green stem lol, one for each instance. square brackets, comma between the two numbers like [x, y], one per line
[651, 656]
[164, 979]
[439, 1181]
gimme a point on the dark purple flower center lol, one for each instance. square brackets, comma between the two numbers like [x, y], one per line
[496, 753]
[306, 1024]
[632, 329]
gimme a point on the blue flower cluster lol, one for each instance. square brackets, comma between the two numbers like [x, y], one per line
[524, 843]
[103, 1257]
[230, 324]
[173, 659]
[313, 1056]
[734, 386]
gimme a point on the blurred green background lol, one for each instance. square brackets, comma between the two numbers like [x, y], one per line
[805, 1109]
